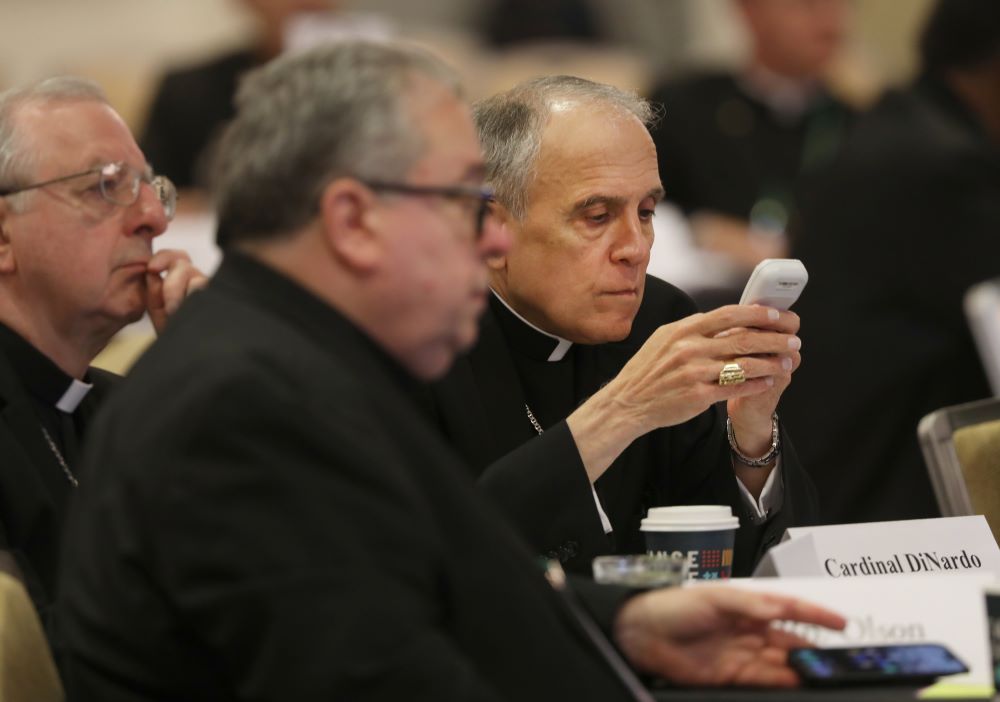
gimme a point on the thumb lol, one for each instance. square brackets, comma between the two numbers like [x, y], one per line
[155, 305]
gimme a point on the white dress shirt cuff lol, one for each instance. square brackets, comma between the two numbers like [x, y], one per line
[605, 522]
[771, 496]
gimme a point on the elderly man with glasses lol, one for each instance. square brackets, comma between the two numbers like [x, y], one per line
[79, 208]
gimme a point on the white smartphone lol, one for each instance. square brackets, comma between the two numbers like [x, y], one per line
[775, 282]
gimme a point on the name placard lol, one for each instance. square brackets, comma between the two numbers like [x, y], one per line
[950, 609]
[947, 545]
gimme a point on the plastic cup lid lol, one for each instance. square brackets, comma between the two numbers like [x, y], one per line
[690, 518]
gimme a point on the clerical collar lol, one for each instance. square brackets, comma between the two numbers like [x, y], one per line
[541, 344]
[786, 97]
[46, 381]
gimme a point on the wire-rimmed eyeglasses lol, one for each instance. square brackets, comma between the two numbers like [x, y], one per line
[481, 196]
[117, 183]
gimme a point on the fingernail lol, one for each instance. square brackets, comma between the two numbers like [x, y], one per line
[768, 381]
[786, 363]
[772, 314]
[795, 343]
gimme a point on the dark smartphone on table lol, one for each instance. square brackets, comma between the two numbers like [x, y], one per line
[906, 664]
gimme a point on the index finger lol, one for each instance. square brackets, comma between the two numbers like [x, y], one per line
[767, 607]
[164, 259]
[748, 316]
[154, 301]
[796, 610]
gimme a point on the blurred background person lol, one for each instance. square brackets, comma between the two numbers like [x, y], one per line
[192, 103]
[509, 22]
[733, 148]
[894, 234]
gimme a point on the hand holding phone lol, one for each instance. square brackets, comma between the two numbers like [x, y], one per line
[908, 664]
[775, 282]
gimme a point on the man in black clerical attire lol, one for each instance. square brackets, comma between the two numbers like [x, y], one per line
[736, 149]
[78, 212]
[590, 396]
[904, 223]
[271, 517]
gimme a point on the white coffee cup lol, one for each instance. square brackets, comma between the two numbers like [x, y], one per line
[703, 534]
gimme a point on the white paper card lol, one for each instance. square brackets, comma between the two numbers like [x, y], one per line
[947, 545]
[949, 609]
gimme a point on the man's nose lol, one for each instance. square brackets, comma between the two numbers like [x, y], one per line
[147, 217]
[633, 242]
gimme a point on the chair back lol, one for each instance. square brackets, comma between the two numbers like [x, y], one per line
[961, 446]
[27, 670]
[982, 311]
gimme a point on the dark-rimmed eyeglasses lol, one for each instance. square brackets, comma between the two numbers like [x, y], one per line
[480, 196]
[117, 183]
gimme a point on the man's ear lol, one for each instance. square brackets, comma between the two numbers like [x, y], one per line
[350, 219]
[7, 261]
[502, 218]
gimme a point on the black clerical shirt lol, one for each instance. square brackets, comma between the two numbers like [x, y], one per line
[532, 352]
[541, 482]
[566, 371]
[49, 388]
[35, 489]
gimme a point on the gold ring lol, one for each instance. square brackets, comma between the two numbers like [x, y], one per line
[732, 374]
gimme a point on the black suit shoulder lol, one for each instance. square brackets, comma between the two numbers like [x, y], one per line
[281, 520]
[903, 223]
[721, 148]
[700, 88]
[910, 137]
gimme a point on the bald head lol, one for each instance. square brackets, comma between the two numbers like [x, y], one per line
[511, 126]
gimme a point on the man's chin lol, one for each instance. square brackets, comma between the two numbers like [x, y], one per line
[431, 366]
[607, 332]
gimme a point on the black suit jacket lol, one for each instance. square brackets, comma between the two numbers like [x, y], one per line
[270, 517]
[189, 109]
[34, 491]
[904, 223]
[723, 150]
[541, 483]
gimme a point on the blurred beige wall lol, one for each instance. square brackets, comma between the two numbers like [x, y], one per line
[125, 44]
[121, 43]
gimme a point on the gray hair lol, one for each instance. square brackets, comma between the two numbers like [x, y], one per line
[305, 119]
[511, 123]
[16, 160]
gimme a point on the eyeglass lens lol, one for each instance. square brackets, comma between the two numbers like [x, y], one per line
[120, 184]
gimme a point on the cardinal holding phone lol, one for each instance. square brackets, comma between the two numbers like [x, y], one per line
[595, 391]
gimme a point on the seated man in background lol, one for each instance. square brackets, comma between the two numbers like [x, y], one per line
[906, 221]
[192, 104]
[79, 208]
[735, 149]
[589, 397]
[272, 518]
